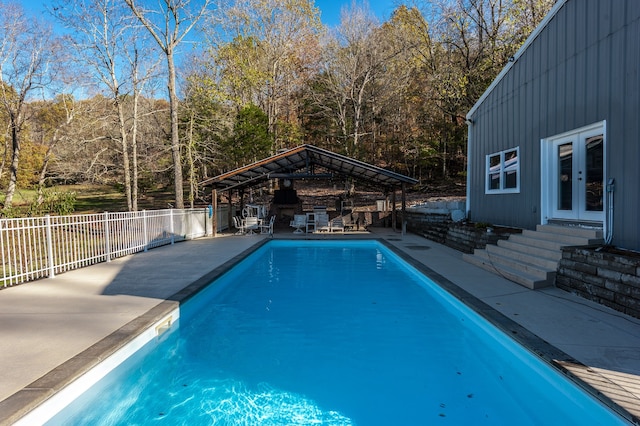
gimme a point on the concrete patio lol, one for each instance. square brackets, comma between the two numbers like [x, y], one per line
[54, 329]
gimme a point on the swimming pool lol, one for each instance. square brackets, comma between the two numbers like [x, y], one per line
[319, 332]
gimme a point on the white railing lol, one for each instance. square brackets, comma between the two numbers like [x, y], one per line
[33, 248]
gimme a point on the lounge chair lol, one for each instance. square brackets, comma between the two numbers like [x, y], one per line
[299, 221]
[336, 225]
[347, 222]
[322, 222]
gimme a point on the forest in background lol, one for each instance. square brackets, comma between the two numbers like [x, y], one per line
[141, 95]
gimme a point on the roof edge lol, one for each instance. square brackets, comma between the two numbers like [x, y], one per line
[249, 175]
[249, 166]
[534, 34]
[390, 173]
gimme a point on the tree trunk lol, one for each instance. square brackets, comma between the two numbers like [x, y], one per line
[134, 153]
[43, 174]
[15, 160]
[4, 157]
[175, 137]
[125, 153]
[192, 174]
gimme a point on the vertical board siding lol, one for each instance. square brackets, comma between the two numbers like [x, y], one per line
[581, 69]
[627, 178]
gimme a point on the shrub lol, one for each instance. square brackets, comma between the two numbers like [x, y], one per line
[54, 202]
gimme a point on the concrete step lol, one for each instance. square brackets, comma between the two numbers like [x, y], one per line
[531, 258]
[527, 280]
[561, 237]
[533, 251]
[524, 257]
[516, 265]
[589, 233]
[527, 240]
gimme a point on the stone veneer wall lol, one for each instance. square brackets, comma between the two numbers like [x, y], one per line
[610, 278]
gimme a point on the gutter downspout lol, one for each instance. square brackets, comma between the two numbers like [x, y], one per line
[611, 187]
[469, 122]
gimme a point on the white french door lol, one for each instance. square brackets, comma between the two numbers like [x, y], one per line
[575, 180]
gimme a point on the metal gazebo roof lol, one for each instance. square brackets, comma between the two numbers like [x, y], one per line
[303, 162]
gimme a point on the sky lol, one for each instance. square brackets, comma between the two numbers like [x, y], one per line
[330, 9]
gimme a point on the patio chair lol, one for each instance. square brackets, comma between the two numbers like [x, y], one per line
[237, 223]
[311, 223]
[251, 223]
[268, 227]
[337, 225]
[299, 221]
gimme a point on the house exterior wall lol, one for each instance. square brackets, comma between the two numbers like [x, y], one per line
[581, 68]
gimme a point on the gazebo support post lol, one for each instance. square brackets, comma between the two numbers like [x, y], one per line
[241, 196]
[393, 209]
[214, 212]
[403, 208]
[229, 202]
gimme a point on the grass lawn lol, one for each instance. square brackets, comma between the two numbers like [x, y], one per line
[98, 198]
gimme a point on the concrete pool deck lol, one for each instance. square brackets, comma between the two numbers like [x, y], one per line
[54, 329]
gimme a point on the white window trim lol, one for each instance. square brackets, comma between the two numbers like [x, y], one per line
[502, 189]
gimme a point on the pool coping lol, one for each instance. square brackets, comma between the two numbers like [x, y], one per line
[21, 403]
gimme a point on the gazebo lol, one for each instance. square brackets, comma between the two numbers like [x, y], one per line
[308, 162]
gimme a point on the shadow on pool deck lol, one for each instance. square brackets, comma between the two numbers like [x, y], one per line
[56, 329]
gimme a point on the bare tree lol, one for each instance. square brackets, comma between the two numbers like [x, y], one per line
[27, 49]
[51, 128]
[85, 150]
[86, 154]
[108, 39]
[353, 60]
[175, 19]
[267, 51]
[457, 47]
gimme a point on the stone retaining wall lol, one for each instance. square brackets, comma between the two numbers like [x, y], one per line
[433, 221]
[468, 238]
[611, 278]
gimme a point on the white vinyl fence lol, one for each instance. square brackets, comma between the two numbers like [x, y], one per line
[38, 247]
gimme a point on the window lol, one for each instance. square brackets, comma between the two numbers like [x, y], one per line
[503, 171]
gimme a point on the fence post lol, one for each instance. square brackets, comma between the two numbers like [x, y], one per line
[2, 251]
[144, 230]
[171, 226]
[52, 269]
[206, 219]
[107, 241]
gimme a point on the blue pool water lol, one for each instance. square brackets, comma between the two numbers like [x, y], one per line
[332, 333]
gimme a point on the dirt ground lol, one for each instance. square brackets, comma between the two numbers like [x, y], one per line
[318, 193]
